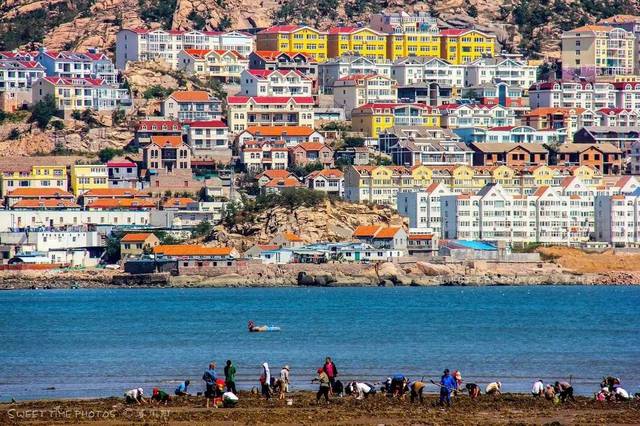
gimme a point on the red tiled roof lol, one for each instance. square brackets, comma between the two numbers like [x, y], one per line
[121, 203]
[192, 250]
[207, 124]
[366, 230]
[177, 202]
[288, 182]
[387, 233]
[39, 193]
[162, 141]
[114, 193]
[270, 99]
[280, 131]
[190, 96]
[48, 203]
[136, 237]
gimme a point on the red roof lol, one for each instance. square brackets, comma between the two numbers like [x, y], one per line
[60, 81]
[366, 230]
[159, 124]
[121, 164]
[39, 193]
[288, 182]
[167, 140]
[47, 203]
[270, 99]
[311, 146]
[280, 29]
[207, 124]
[136, 237]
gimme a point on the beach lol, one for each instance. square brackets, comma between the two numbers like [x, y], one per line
[375, 410]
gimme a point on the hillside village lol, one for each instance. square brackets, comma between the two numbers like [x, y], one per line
[397, 140]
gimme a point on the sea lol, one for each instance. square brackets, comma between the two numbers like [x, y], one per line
[80, 343]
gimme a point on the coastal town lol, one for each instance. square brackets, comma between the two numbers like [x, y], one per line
[424, 144]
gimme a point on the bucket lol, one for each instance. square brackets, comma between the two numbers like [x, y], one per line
[289, 401]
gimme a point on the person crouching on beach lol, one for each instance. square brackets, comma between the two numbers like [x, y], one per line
[447, 385]
[473, 389]
[160, 396]
[183, 388]
[549, 393]
[325, 385]
[537, 389]
[416, 388]
[564, 391]
[494, 388]
[134, 396]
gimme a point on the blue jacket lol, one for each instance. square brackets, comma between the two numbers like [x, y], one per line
[210, 377]
[448, 383]
[182, 387]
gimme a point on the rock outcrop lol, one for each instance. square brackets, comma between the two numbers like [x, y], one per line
[331, 221]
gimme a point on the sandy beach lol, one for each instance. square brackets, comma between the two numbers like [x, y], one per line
[507, 409]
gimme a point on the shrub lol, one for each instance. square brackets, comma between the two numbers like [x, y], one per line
[42, 112]
[158, 11]
[156, 91]
[107, 154]
[14, 134]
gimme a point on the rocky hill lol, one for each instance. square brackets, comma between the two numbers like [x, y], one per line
[531, 25]
[328, 221]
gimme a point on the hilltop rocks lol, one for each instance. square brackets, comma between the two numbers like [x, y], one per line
[331, 221]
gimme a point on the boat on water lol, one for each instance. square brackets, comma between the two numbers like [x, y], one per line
[253, 328]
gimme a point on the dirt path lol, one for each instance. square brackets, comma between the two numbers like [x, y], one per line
[508, 409]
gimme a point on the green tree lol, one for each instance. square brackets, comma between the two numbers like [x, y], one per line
[158, 11]
[107, 154]
[202, 229]
[353, 141]
[224, 24]
[156, 91]
[14, 134]
[118, 116]
[472, 11]
[198, 21]
[43, 111]
[112, 248]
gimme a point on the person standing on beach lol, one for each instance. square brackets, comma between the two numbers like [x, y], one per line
[210, 376]
[265, 381]
[447, 385]
[325, 385]
[230, 377]
[331, 370]
[284, 381]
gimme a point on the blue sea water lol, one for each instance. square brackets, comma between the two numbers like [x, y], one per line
[89, 343]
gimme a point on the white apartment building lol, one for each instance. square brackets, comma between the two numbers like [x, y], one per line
[418, 69]
[617, 218]
[512, 71]
[423, 207]
[346, 65]
[551, 215]
[89, 64]
[206, 135]
[572, 94]
[330, 181]
[627, 95]
[264, 155]
[356, 90]
[221, 65]
[12, 219]
[402, 22]
[245, 111]
[81, 93]
[187, 105]
[475, 115]
[19, 75]
[274, 83]
[147, 45]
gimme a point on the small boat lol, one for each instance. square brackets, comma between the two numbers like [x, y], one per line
[253, 328]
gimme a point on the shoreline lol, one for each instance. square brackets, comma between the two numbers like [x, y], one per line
[377, 409]
[273, 278]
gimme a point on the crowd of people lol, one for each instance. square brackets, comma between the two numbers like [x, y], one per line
[222, 388]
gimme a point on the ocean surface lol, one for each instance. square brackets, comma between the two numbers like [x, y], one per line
[91, 343]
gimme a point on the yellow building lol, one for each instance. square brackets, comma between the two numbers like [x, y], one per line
[592, 51]
[373, 118]
[294, 38]
[360, 41]
[463, 46]
[413, 44]
[88, 176]
[34, 177]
